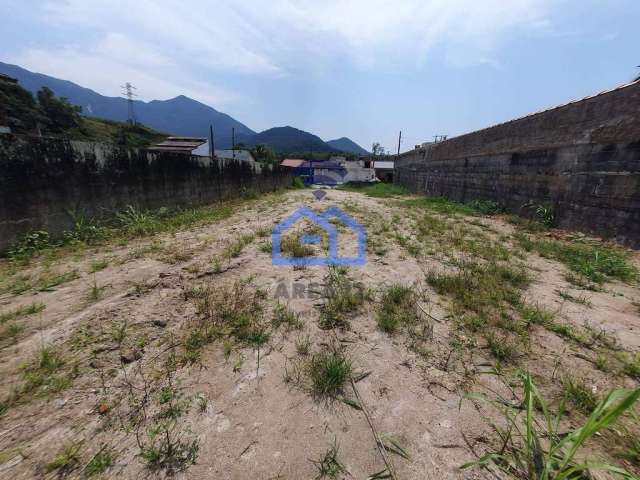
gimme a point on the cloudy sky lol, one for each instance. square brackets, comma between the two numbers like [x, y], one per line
[358, 68]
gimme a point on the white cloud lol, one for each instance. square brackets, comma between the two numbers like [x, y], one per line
[106, 75]
[262, 37]
[162, 44]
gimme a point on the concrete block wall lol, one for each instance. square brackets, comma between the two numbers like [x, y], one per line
[581, 159]
[43, 179]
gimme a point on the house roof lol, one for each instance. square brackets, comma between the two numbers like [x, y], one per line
[179, 144]
[292, 162]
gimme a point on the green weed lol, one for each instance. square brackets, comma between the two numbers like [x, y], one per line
[328, 465]
[579, 394]
[98, 265]
[100, 462]
[44, 374]
[481, 288]
[398, 307]
[566, 295]
[529, 449]
[342, 296]
[66, 460]
[283, 315]
[595, 262]
[328, 372]
[22, 311]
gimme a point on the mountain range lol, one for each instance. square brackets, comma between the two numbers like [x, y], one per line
[181, 116]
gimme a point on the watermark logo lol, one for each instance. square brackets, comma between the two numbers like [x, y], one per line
[319, 194]
[322, 220]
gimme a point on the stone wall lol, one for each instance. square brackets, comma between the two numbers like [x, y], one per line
[582, 159]
[42, 180]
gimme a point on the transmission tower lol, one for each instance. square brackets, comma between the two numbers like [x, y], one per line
[128, 91]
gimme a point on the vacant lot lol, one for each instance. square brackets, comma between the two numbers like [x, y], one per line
[170, 345]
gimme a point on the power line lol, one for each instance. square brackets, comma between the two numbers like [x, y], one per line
[128, 91]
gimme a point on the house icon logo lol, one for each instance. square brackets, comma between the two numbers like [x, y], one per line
[323, 221]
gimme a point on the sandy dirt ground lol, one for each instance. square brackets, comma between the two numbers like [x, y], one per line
[115, 330]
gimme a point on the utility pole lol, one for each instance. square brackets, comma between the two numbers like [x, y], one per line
[212, 148]
[399, 140]
[128, 91]
[233, 142]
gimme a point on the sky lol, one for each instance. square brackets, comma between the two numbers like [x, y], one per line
[364, 69]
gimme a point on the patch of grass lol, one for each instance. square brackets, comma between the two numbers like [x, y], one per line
[265, 247]
[566, 295]
[100, 463]
[22, 311]
[283, 315]
[328, 465]
[95, 292]
[501, 347]
[237, 246]
[631, 451]
[66, 460]
[20, 284]
[535, 314]
[328, 372]
[11, 331]
[48, 282]
[32, 244]
[236, 311]
[593, 261]
[450, 207]
[579, 394]
[297, 183]
[303, 345]
[530, 225]
[98, 265]
[631, 364]
[602, 363]
[481, 288]
[398, 308]
[136, 222]
[532, 449]
[342, 296]
[45, 373]
[175, 255]
[376, 190]
[292, 246]
[119, 331]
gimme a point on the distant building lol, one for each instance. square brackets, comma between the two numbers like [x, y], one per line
[185, 145]
[384, 170]
[336, 171]
[199, 147]
[292, 162]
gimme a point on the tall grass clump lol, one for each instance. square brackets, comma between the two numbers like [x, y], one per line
[533, 446]
[398, 307]
[328, 373]
[342, 296]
